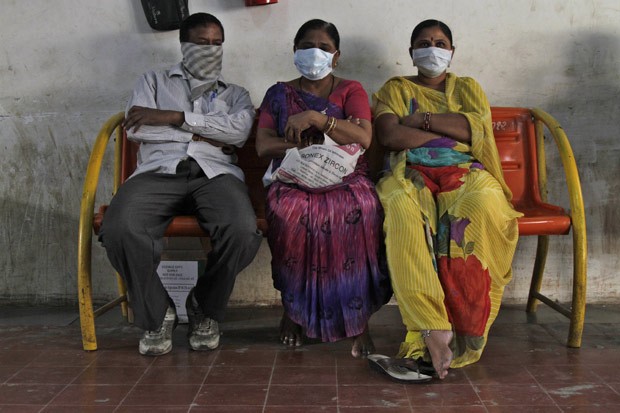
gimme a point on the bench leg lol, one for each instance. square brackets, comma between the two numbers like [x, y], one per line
[537, 273]
[85, 301]
[122, 291]
[580, 261]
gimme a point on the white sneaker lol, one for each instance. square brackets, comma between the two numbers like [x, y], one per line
[159, 342]
[203, 332]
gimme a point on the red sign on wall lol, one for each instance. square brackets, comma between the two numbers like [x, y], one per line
[259, 2]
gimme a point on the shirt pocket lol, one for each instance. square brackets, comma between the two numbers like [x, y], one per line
[218, 105]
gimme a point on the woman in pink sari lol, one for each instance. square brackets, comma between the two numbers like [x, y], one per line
[326, 243]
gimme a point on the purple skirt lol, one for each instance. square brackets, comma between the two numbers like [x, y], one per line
[328, 254]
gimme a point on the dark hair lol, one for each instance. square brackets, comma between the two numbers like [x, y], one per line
[318, 24]
[431, 23]
[198, 20]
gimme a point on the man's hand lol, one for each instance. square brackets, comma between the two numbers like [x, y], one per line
[226, 148]
[139, 115]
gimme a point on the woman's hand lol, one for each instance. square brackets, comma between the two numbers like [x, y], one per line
[298, 123]
[398, 134]
[408, 132]
[355, 121]
[269, 145]
[415, 120]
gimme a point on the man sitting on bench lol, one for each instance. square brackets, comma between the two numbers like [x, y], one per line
[188, 121]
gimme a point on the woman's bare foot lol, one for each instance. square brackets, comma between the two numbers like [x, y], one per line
[362, 345]
[438, 344]
[290, 332]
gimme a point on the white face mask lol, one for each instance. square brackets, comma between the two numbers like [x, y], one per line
[431, 61]
[314, 64]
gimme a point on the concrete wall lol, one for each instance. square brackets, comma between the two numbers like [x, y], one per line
[66, 66]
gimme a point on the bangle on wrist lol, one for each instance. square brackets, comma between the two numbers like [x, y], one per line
[330, 125]
[427, 122]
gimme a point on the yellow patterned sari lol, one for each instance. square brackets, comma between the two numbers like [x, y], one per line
[450, 229]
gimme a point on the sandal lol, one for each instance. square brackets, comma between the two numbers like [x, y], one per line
[417, 365]
[402, 372]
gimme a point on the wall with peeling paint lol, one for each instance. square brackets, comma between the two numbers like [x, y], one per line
[66, 66]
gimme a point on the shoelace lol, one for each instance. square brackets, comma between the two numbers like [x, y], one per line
[205, 324]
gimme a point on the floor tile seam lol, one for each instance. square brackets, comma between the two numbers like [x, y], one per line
[51, 401]
[474, 389]
[598, 375]
[302, 385]
[612, 389]
[19, 369]
[550, 331]
[120, 403]
[208, 405]
[42, 407]
[544, 389]
[544, 384]
[337, 385]
[554, 403]
[273, 368]
[84, 368]
[204, 383]
[158, 384]
[453, 405]
[409, 398]
[29, 364]
[298, 405]
[92, 405]
[189, 406]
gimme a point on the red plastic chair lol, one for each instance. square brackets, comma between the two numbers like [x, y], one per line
[519, 135]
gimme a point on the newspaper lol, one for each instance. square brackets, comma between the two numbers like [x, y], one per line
[316, 166]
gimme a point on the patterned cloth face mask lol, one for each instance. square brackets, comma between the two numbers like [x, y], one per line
[431, 61]
[204, 62]
[314, 63]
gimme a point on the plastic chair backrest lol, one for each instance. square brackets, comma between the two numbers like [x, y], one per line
[515, 138]
[129, 157]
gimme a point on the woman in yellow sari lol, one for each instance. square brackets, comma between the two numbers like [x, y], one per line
[450, 229]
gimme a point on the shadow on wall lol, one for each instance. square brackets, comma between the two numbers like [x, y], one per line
[44, 160]
[581, 91]
[587, 104]
[583, 96]
[40, 254]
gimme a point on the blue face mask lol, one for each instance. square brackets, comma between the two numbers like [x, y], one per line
[313, 64]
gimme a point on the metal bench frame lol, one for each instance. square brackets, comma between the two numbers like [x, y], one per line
[519, 134]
